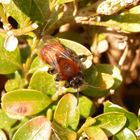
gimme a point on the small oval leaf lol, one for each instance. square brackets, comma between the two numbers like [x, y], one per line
[36, 65]
[38, 128]
[132, 118]
[5, 121]
[86, 107]
[97, 83]
[113, 71]
[44, 82]
[127, 21]
[109, 122]
[125, 134]
[95, 133]
[62, 133]
[67, 112]
[24, 102]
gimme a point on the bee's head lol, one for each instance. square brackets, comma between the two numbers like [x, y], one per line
[76, 81]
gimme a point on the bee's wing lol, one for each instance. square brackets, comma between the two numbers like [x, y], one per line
[59, 50]
[54, 51]
[48, 54]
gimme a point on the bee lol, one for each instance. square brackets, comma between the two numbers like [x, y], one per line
[64, 62]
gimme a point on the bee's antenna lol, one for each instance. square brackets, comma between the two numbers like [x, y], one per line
[87, 85]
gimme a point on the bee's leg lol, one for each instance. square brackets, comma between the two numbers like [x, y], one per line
[67, 84]
[52, 71]
[57, 78]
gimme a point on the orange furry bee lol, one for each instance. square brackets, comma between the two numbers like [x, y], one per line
[65, 63]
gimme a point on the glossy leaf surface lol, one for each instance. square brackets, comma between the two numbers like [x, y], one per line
[97, 83]
[24, 102]
[127, 21]
[67, 112]
[95, 133]
[44, 82]
[109, 122]
[9, 61]
[36, 128]
[125, 134]
[86, 106]
[16, 82]
[62, 133]
[36, 65]
[113, 71]
[132, 118]
[5, 121]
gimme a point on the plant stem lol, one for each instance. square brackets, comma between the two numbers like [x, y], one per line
[30, 58]
[25, 30]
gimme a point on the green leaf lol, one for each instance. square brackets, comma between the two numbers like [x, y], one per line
[14, 84]
[36, 65]
[25, 51]
[89, 122]
[100, 79]
[5, 121]
[63, 1]
[131, 117]
[67, 112]
[22, 11]
[109, 122]
[44, 82]
[86, 106]
[9, 61]
[128, 21]
[125, 134]
[17, 82]
[97, 83]
[38, 128]
[24, 102]
[113, 71]
[2, 135]
[7, 124]
[79, 50]
[62, 133]
[95, 133]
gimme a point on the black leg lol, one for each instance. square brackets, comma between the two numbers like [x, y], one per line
[57, 78]
[52, 71]
[67, 84]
